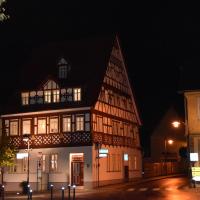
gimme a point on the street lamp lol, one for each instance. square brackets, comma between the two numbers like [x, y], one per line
[26, 138]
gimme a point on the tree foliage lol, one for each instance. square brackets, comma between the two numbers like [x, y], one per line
[3, 15]
[183, 152]
[7, 153]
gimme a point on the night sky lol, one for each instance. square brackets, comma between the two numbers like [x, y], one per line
[157, 38]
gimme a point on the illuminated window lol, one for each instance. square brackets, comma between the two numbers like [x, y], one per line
[80, 123]
[47, 96]
[42, 126]
[54, 125]
[14, 128]
[56, 96]
[26, 127]
[67, 124]
[77, 94]
[14, 167]
[54, 162]
[25, 98]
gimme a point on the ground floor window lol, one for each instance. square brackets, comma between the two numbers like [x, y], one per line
[114, 162]
[53, 162]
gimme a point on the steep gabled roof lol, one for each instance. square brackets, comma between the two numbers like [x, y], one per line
[88, 59]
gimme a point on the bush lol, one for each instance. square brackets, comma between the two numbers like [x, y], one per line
[25, 188]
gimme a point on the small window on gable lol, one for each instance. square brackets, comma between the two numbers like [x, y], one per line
[63, 68]
[77, 94]
[25, 98]
[51, 85]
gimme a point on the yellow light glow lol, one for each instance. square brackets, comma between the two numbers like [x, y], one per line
[170, 141]
[176, 124]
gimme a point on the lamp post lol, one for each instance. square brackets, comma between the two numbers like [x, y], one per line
[27, 139]
[170, 142]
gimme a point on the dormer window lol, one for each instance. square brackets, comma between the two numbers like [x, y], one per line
[56, 96]
[64, 68]
[25, 98]
[47, 96]
[77, 94]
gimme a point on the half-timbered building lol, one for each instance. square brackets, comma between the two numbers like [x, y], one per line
[77, 107]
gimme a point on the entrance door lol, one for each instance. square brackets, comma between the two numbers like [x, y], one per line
[126, 173]
[77, 173]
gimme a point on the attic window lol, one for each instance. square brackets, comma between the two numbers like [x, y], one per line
[25, 98]
[64, 68]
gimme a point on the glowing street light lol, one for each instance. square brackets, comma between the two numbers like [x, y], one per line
[176, 124]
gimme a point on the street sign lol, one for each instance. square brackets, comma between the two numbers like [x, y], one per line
[103, 155]
[194, 157]
[22, 155]
[103, 151]
[195, 171]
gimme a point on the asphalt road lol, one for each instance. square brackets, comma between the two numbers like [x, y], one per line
[175, 188]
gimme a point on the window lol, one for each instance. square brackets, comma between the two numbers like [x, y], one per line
[42, 126]
[43, 163]
[53, 125]
[14, 128]
[114, 163]
[54, 162]
[14, 167]
[77, 94]
[25, 98]
[47, 96]
[67, 124]
[25, 164]
[80, 123]
[26, 127]
[63, 68]
[56, 96]
[99, 124]
[63, 71]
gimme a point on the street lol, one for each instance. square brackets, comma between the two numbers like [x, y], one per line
[175, 188]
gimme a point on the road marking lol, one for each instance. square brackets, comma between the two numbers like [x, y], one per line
[131, 189]
[156, 189]
[171, 188]
[143, 189]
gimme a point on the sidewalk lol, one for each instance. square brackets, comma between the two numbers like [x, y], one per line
[57, 193]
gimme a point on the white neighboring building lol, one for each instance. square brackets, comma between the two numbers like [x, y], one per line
[71, 111]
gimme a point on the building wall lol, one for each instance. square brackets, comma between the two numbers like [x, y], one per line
[59, 178]
[109, 176]
[193, 121]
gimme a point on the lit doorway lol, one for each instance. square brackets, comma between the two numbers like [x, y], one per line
[77, 168]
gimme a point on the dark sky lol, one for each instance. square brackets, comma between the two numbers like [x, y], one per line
[156, 37]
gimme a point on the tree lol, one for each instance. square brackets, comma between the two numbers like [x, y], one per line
[3, 15]
[183, 152]
[7, 155]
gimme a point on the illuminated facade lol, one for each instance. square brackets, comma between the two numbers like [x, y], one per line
[74, 108]
[192, 122]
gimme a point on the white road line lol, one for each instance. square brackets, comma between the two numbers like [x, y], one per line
[131, 189]
[156, 189]
[143, 189]
[171, 188]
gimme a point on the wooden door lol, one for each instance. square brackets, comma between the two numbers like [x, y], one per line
[77, 173]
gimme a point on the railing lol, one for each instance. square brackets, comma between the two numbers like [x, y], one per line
[54, 140]
[115, 140]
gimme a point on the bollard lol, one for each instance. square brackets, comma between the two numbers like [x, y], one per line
[74, 190]
[63, 189]
[51, 191]
[30, 194]
[69, 189]
[2, 192]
